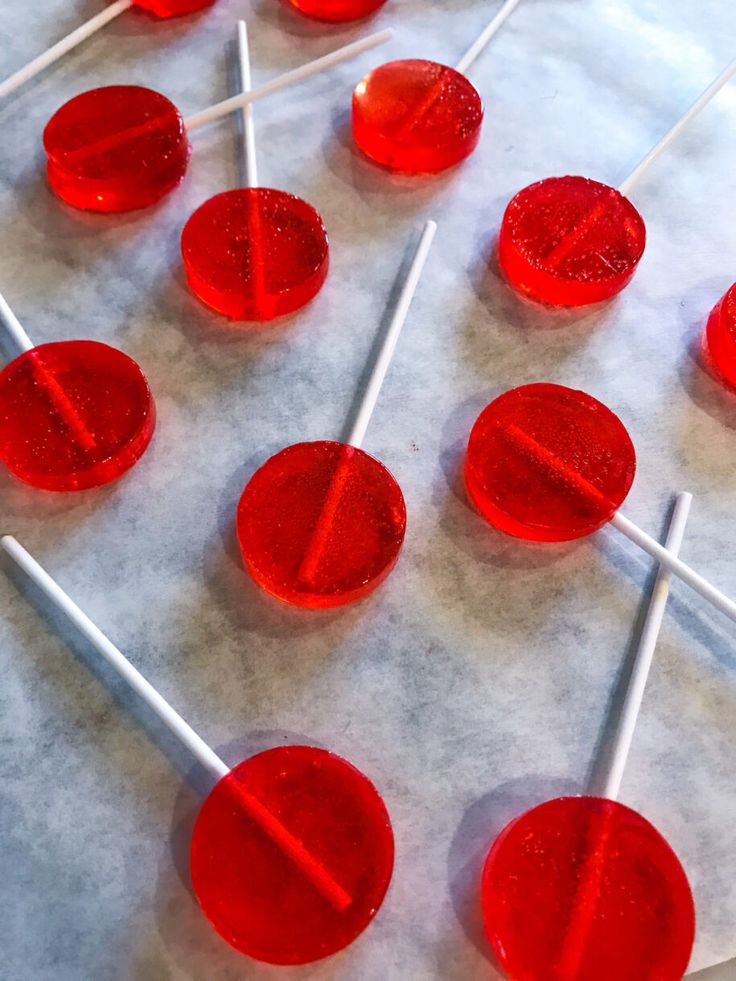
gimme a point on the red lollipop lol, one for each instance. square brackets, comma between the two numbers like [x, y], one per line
[719, 338]
[254, 253]
[582, 887]
[421, 117]
[321, 524]
[292, 851]
[548, 463]
[123, 147]
[571, 241]
[73, 414]
[161, 8]
[337, 10]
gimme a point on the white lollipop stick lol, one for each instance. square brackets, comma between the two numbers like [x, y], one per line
[493, 28]
[589, 879]
[383, 359]
[61, 47]
[291, 846]
[656, 152]
[13, 326]
[548, 460]
[249, 135]
[288, 78]
[626, 722]
[676, 566]
[323, 526]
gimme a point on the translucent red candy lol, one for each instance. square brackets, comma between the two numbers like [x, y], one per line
[255, 253]
[172, 8]
[73, 414]
[253, 893]
[568, 241]
[586, 889]
[548, 463]
[417, 117]
[719, 340]
[321, 524]
[115, 149]
[337, 9]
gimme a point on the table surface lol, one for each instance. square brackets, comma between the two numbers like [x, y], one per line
[478, 680]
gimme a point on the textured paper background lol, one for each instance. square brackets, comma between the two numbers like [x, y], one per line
[476, 682]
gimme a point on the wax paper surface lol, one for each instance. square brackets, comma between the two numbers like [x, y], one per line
[478, 680]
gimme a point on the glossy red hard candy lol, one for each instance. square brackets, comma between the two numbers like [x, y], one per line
[256, 895]
[569, 241]
[321, 524]
[584, 888]
[172, 8]
[548, 463]
[416, 117]
[73, 414]
[255, 253]
[115, 149]
[719, 339]
[337, 10]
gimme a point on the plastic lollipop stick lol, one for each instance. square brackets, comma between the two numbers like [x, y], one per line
[321, 524]
[249, 136]
[288, 78]
[324, 525]
[254, 223]
[656, 152]
[269, 824]
[584, 887]
[14, 327]
[675, 565]
[59, 49]
[493, 28]
[577, 482]
[386, 353]
[584, 907]
[645, 651]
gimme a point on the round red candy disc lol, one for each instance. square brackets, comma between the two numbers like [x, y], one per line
[73, 414]
[337, 9]
[256, 896]
[115, 149]
[417, 117]
[585, 888]
[719, 340]
[172, 8]
[568, 241]
[321, 524]
[255, 253]
[548, 463]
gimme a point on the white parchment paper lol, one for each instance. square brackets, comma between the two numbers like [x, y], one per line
[477, 681]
